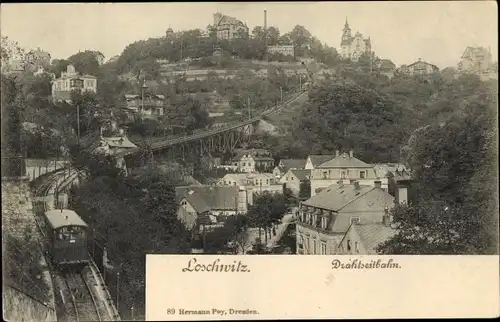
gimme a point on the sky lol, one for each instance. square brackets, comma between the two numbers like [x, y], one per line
[403, 31]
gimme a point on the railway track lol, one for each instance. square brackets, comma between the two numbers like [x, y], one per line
[84, 303]
[78, 289]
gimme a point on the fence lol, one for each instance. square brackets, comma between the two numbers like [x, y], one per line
[37, 167]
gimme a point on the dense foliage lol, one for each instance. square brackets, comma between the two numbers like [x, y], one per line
[138, 216]
[267, 210]
[457, 179]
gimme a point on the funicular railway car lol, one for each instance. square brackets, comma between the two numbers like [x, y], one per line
[67, 236]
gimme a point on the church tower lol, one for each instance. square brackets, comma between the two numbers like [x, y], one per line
[346, 40]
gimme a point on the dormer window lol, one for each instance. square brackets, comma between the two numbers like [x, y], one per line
[324, 221]
[362, 174]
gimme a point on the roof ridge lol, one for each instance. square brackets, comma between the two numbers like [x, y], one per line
[356, 197]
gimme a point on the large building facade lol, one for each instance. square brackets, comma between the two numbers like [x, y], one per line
[229, 27]
[352, 47]
[286, 50]
[478, 60]
[71, 81]
[345, 168]
[325, 218]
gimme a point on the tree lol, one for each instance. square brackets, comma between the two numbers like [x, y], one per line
[85, 62]
[267, 210]
[86, 104]
[273, 36]
[301, 39]
[258, 33]
[58, 65]
[94, 165]
[9, 49]
[138, 216]
[343, 117]
[453, 167]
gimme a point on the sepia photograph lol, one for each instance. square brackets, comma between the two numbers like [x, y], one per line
[363, 130]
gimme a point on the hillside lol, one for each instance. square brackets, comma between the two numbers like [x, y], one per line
[285, 120]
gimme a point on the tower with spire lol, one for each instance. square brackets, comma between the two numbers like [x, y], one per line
[352, 47]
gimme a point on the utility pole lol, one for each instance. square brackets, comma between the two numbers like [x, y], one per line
[78, 121]
[281, 94]
[142, 94]
[117, 289]
[182, 43]
[249, 112]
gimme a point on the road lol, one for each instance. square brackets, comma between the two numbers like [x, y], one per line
[252, 234]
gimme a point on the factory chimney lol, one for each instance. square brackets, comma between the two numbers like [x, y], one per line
[265, 26]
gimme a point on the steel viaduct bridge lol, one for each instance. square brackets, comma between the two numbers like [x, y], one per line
[202, 143]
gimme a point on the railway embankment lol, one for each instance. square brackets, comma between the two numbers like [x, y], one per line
[28, 293]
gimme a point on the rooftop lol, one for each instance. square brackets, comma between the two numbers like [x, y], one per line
[206, 198]
[301, 174]
[292, 164]
[316, 160]
[118, 142]
[336, 196]
[373, 234]
[344, 161]
[64, 217]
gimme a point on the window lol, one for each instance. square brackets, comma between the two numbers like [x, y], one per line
[324, 221]
[69, 233]
[243, 164]
[343, 174]
[356, 247]
[354, 220]
[314, 247]
[348, 245]
[325, 175]
[323, 248]
[184, 203]
[362, 174]
[267, 181]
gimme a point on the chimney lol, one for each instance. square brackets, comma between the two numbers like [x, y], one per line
[386, 219]
[337, 153]
[265, 22]
[351, 154]
[378, 184]
[242, 203]
[356, 185]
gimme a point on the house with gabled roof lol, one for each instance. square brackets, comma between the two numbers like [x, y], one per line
[479, 61]
[69, 81]
[315, 160]
[363, 239]
[422, 68]
[209, 205]
[346, 168]
[254, 183]
[325, 218]
[286, 164]
[253, 160]
[294, 179]
[228, 27]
